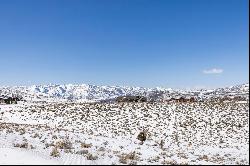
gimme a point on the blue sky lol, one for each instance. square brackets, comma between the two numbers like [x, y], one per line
[167, 43]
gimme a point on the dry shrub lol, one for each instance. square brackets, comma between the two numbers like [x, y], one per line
[91, 157]
[22, 145]
[32, 147]
[169, 162]
[36, 135]
[125, 157]
[68, 151]
[203, 157]
[84, 145]
[102, 149]
[22, 131]
[142, 136]
[65, 144]
[55, 152]
[82, 152]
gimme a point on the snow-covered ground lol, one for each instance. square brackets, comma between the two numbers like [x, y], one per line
[20, 157]
[106, 133]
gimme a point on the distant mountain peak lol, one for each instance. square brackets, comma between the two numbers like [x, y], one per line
[87, 92]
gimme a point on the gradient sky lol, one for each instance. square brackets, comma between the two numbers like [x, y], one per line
[167, 43]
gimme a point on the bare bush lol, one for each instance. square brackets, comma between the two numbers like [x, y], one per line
[65, 144]
[82, 152]
[84, 145]
[91, 157]
[55, 152]
[22, 145]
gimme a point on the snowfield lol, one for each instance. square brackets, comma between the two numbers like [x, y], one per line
[20, 157]
[106, 133]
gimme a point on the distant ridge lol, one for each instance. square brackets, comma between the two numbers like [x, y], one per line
[92, 93]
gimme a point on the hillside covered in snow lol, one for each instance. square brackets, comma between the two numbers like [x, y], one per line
[82, 131]
[90, 93]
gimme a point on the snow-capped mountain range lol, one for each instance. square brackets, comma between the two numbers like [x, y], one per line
[88, 93]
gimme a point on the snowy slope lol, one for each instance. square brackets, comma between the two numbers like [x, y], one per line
[22, 157]
[200, 133]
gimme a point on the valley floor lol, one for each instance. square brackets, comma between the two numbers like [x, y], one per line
[73, 133]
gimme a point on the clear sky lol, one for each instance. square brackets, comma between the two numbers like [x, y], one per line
[149, 43]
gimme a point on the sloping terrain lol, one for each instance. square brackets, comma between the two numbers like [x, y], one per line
[106, 133]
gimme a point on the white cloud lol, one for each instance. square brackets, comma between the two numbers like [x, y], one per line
[213, 71]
